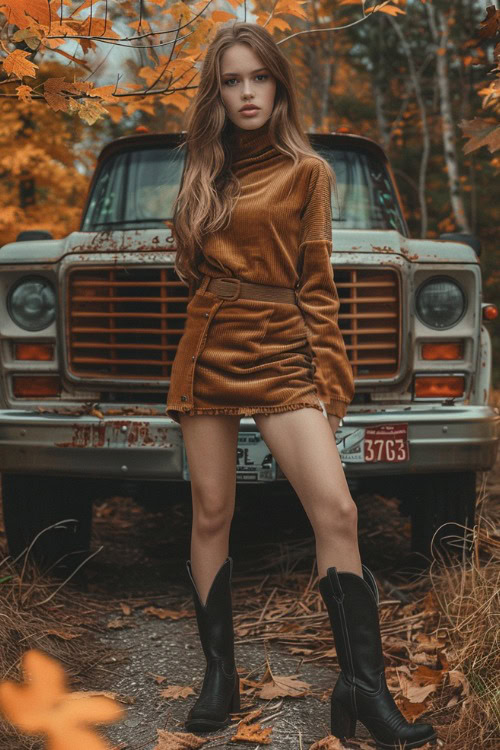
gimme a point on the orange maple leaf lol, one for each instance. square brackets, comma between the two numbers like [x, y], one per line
[43, 706]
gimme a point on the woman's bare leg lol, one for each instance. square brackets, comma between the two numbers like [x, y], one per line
[303, 444]
[211, 443]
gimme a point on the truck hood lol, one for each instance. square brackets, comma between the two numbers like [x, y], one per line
[160, 240]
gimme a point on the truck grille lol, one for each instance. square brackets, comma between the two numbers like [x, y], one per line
[126, 323]
[370, 320]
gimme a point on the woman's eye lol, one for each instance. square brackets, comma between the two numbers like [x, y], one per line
[260, 75]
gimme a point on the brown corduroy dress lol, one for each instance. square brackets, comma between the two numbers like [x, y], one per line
[248, 356]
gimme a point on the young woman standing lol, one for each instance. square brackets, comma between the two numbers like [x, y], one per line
[252, 224]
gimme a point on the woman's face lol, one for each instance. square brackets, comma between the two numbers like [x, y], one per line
[245, 80]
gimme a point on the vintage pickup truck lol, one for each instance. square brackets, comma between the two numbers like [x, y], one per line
[90, 323]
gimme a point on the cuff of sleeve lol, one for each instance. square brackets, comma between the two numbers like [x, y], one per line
[337, 408]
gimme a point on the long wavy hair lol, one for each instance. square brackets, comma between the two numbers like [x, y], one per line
[209, 189]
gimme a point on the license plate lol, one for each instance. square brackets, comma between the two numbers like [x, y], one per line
[254, 462]
[384, 443]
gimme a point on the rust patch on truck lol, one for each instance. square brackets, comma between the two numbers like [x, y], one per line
[388, 249]
[115, 433]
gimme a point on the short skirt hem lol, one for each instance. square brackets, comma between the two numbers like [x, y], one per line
[246, 411]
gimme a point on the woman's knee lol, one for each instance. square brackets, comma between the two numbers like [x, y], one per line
[212, 513]
[339, 516]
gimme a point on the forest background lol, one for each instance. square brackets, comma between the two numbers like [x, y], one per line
[422, 78]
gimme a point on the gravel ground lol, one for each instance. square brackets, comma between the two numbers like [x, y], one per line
[142, 563]
[140, 558]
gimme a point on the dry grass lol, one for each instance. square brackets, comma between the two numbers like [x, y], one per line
[468, 596]
[37, 611]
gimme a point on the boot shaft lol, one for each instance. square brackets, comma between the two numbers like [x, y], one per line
[352, 604]
[215, 617]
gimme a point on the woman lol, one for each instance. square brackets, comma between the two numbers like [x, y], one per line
[252, 224]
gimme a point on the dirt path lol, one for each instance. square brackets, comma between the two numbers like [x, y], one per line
[142, 565]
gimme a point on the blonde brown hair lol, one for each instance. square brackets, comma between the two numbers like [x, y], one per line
[208, 188]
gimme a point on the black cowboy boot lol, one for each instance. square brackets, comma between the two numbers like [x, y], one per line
[220, 692]
[361, 692]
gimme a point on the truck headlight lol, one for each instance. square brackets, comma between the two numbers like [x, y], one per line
[32, 303]
[440, 302]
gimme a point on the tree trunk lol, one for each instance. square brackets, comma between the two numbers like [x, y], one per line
[439, 30]
[426, 144]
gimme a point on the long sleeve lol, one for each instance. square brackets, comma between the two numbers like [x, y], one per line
[318, 297]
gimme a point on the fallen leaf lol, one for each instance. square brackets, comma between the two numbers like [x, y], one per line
[328, 743]
[157, 677]
[63, 635]
[178, 741]
[126, 608]
[177, 691]
[458, 679]
[173, 614]
[118, 622]
[283, 685]
[252, 733]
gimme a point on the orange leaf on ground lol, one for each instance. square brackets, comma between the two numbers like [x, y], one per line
[328, 743]
[178, 741]
[283, 685]
[172, 614]
[177, 691]
[252, 733]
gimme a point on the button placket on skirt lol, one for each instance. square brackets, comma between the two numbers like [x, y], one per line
[209, 314]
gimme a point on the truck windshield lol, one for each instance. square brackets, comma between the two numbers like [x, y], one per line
[137, 189]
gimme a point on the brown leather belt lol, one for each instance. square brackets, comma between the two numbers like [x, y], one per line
[231, 288]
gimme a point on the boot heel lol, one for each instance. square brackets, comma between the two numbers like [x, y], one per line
[342, 721]
[235, 699]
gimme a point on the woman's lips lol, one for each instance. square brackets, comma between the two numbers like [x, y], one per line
[249, 111]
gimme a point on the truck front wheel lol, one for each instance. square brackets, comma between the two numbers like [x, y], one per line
[33, 503]
[442, 510]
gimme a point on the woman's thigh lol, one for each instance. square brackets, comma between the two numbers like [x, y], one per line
[303, 444]
[211, 442]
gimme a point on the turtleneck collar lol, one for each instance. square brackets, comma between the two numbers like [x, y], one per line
[249, 143]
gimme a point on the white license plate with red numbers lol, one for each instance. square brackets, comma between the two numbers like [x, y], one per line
[386, 443]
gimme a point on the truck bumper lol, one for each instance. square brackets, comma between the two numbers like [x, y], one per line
[440, 438]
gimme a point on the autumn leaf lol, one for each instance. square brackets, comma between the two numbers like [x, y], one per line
[31, 35]
[163, 614]
[481, 133]
[283, 685]
[42, 706]
[177, 691]
[329, 743]
[117, 623]
[222, 15]
[17, 64]
[22, 12]
[178, 740]
[24, 93]
[252, 733]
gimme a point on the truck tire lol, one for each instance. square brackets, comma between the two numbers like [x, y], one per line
[437, 499]
[31, 503]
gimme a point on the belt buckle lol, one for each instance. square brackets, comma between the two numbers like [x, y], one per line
[229, 280]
